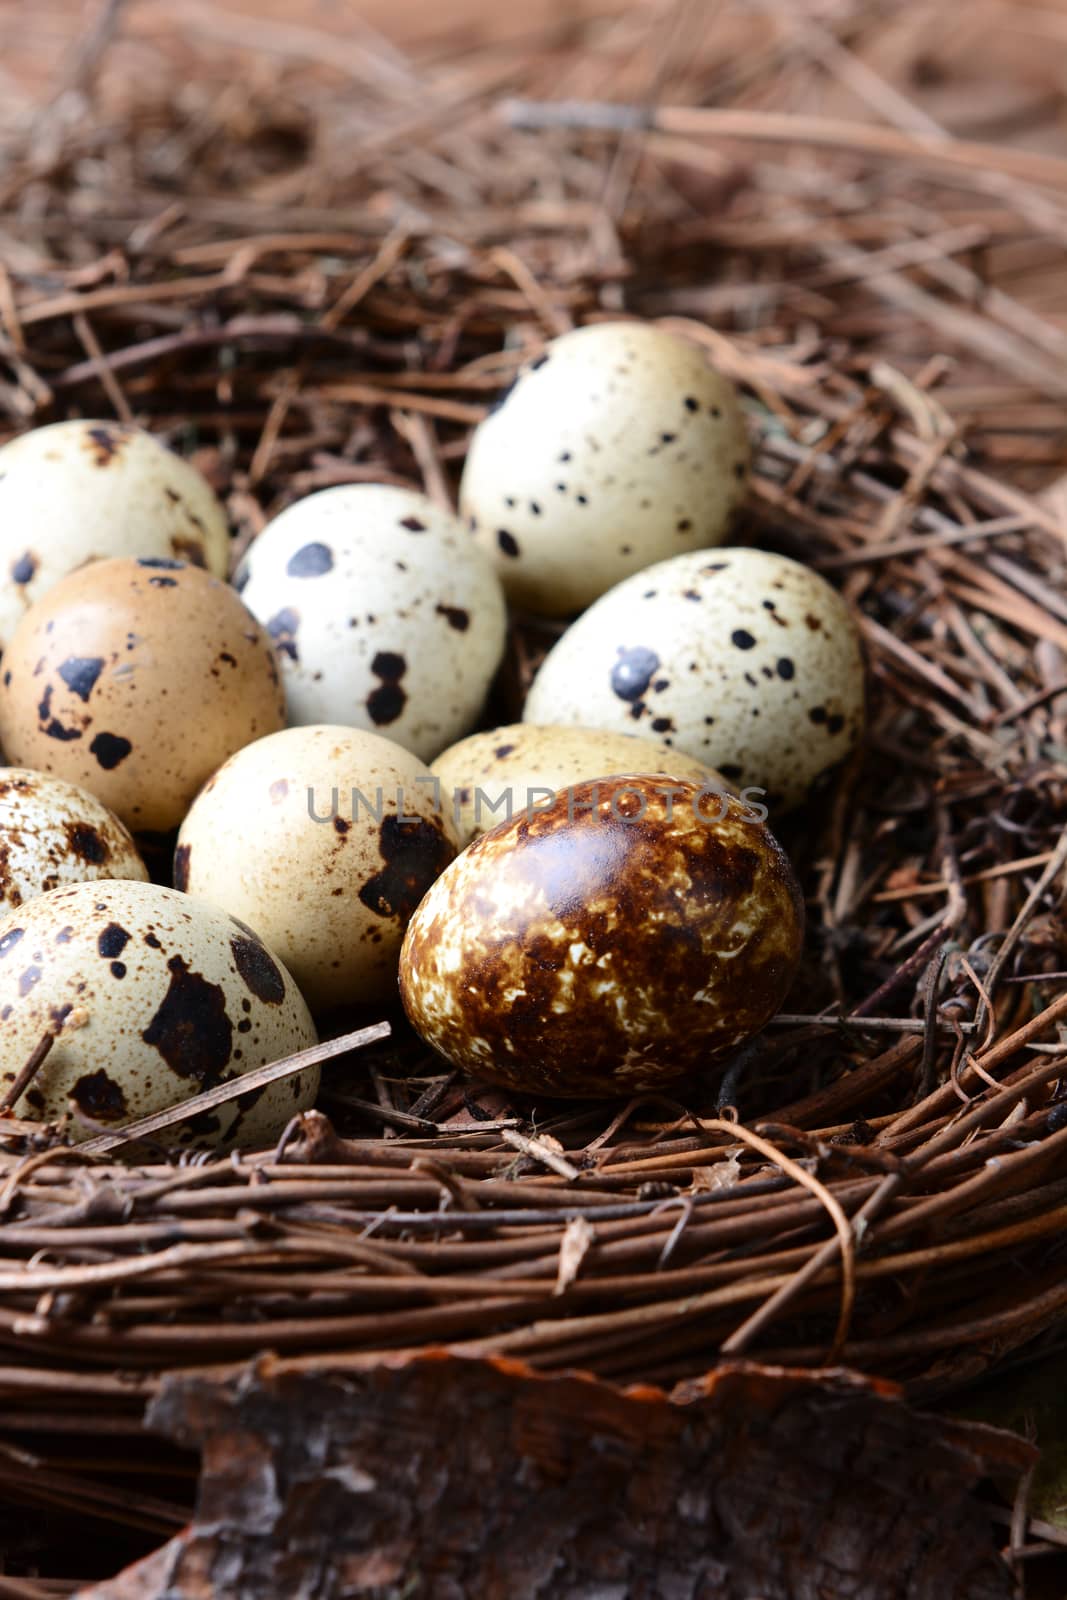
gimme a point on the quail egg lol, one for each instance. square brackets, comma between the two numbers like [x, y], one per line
[384, 614]
[136, 678]
[741, 658]
[53, 833]
[632, 932]
[325, 839]
[150, 999]
[489, 777]
[76, 492]
[617, 447]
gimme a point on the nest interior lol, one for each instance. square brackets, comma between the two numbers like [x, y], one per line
[306, 256]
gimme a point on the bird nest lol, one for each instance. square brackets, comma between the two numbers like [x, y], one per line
[300, 286]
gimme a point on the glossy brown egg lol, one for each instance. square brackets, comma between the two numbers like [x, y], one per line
[136, 678]
[632, 932]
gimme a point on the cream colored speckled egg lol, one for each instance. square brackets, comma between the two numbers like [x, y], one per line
[490, 777]
[324, 839]
[52, 833]
[631, 933]
[741, 658]
[136, 678]
[385, 614]
[75, 492]
[151, 998]
[617, 447]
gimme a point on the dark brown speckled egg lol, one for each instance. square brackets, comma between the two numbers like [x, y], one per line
[136, 678]
[150, 998]
[632, 932]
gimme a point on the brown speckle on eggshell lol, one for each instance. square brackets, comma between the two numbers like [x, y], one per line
[630, 933]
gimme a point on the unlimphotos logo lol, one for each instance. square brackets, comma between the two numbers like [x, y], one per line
[710, 804]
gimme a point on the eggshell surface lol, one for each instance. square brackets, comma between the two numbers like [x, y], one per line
[75, 492]
[52, 833]
[741, 658]
[151, 999]
[385, 614]
[324, 839]
[627, 935]
[617, 447]
[490, 777]
[136, 679]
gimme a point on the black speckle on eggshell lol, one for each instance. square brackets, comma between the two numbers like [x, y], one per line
[112, 941]
[51, 726]
[99, 1097]
[455, 616]
[414, 853]
[282, 628]
[105, 443]
[258, 970]
[87, 843]
[387, 701]
[632, 672]
[310, 561]
[192, 1030]
[110, 749]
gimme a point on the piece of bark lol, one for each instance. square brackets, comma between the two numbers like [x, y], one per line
[447, 1479]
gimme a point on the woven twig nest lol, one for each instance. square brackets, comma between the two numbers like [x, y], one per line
[880, 1182]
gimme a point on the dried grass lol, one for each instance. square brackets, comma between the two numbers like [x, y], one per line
[319, 263]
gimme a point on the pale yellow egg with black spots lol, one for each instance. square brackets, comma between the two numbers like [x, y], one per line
[632, 933]
[745, 659]
[135, 679]
[618, 446]
[491, 777]
[52, 833]
[82, 491]
[150, 998]
[324, 839]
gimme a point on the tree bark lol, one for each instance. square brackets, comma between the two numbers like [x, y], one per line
[447, 1479]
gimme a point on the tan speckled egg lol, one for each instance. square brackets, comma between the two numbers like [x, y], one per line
[385, 614]
[490, 777]
[52, 833]
[633, 932]
[617, 447]
[741, 658]
[325, 839]
[151, 999]
[75, 492]
[136, 679]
